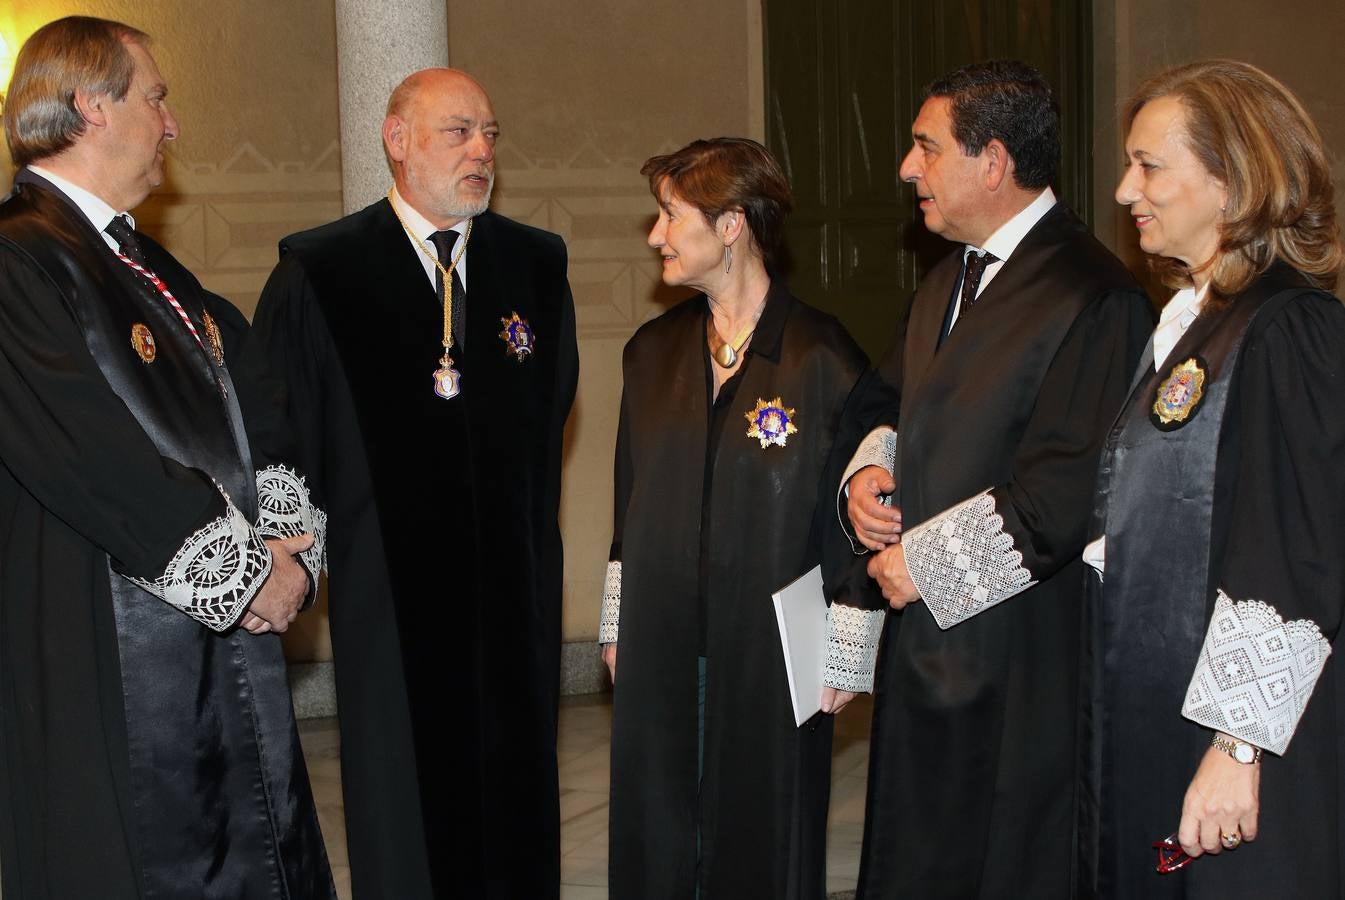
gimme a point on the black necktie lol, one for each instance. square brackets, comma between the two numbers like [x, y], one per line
[444, 242]
[120, 230]
[971, 280]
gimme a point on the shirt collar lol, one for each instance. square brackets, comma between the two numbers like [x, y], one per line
[1008, 236]
[95, 209]
[420, 226]
[1186, 304]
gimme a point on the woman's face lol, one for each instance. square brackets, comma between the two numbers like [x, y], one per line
[692, 251]
[1177, 205]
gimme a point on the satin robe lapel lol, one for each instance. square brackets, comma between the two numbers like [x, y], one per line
[401, 350]
[403, 276]
[1022, 290]
[922, 334]
[1278, 278]
[485, 268]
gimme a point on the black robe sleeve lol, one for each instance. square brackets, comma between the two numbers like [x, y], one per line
[871, 414]
[1281, 581]
[278, 383]
[71, 442]
[994, 545]
[623, 475]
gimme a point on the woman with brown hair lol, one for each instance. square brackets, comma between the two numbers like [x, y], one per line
[730, 402]
[1220, 537]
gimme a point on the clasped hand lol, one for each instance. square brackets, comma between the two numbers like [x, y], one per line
[876, 524]
[278, 602]
[878, 527]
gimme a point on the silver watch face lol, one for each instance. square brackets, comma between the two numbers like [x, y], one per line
[1244, 753]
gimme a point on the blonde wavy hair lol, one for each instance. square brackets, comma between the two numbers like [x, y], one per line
[1250, 132]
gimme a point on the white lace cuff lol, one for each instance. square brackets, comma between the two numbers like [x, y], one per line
[611, 604]
[853, 635]
[879, 448]
[216, 573]
[1255, 673]
[284, 510]
[963, 562]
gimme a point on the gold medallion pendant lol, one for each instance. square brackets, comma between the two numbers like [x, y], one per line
[446, 379]
[517, 336]
[771, 423]
[1179, 395]
[212, 336]
[142, 341]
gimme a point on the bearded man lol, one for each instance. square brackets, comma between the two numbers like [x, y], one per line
[427, 352]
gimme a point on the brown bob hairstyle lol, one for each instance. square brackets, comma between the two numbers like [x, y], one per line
[725, 173]
[77, 53]
[1250, 132]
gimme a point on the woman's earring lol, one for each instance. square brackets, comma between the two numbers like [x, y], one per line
[728, 258]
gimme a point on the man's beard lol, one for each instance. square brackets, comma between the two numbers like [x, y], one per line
[459, 207]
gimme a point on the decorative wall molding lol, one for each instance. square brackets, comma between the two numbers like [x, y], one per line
[224, 219]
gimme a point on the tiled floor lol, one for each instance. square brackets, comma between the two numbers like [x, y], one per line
[585, 729]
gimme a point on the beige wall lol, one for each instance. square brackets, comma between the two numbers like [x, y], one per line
[1295, 40]
[585, 91]
[253, 85]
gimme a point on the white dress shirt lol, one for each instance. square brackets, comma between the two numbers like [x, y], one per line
[1002, 243]
[95, 209]
[423, 229]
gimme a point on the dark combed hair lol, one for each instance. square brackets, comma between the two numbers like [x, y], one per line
[725, 173]
[1251, 133]
[1009, 101]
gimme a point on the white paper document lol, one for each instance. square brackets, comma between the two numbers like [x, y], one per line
[801, 612]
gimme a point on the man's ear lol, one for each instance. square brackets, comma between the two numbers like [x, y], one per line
[395, 136]
[998, 164]
[90, 107]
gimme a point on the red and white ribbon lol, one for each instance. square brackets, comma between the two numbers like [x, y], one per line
[167, 295]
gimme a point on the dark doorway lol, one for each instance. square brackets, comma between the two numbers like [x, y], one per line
[843, 81]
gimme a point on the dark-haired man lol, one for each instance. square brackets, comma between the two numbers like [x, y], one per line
[428, 351]
[147, 742]
[1015, 354]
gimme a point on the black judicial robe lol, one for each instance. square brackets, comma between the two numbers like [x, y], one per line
[444, 550]
[971, 761]
[1269, 479]
[762, 804]
[142, 753]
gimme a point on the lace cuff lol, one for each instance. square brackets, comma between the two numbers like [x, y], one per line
[216, 573]
[1255, 673]
[284, 510]
[963, 562]
[853, 635]
[611, 604]
[879, 448]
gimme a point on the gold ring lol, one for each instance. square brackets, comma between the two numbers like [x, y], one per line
[1230, 840]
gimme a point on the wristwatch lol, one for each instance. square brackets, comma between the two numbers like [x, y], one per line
[1242, 751]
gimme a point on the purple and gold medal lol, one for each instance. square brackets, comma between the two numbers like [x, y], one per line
[771, 423]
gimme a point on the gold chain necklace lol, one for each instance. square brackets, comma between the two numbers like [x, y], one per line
[446, 377]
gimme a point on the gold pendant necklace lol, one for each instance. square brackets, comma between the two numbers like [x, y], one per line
[446, 378]
[726, 353]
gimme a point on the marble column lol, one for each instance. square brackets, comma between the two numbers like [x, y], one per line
[378, 43]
